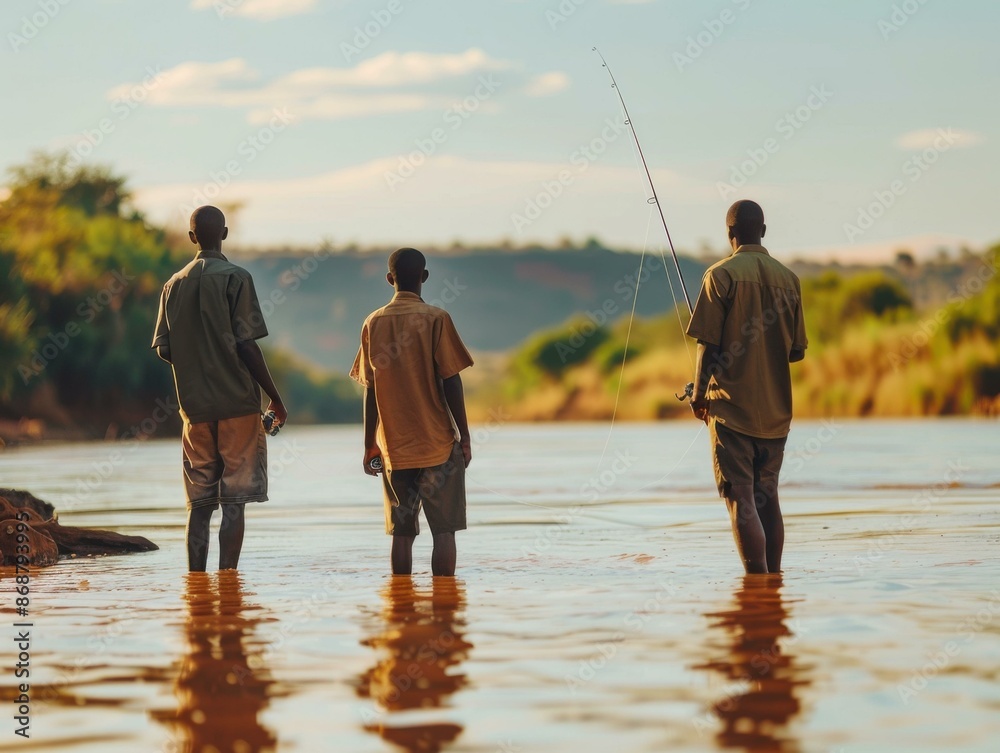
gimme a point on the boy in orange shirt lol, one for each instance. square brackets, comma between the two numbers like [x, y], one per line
[415, 421]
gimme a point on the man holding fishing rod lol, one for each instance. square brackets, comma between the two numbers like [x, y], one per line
[749, 326]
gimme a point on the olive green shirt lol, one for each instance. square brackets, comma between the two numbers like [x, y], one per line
[750, 306]
[205, 310]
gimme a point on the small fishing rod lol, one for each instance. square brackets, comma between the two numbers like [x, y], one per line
[688, 388]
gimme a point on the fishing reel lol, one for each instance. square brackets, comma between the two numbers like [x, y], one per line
[687, 394]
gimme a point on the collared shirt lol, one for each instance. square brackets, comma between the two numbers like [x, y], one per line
[205, 310]
[408, 348]
[750, 306]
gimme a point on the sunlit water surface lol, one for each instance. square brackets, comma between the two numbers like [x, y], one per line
[599, 606]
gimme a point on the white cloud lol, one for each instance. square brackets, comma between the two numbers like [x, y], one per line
[261, 10]
[547, 84]
[446, 197]
[938, 138]
[321, 93]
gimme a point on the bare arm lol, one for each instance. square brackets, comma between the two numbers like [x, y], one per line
[163, 351]
[708, 354]
[249, 352]
[372, 449]
[454, 395]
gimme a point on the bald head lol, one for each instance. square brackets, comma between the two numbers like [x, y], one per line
[745, 220]
[407, 269]
[208, 227]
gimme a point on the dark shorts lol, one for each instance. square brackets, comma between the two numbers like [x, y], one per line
[225, 462]
[742, 460]
[440, 490]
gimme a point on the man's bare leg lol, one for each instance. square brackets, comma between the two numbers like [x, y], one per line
[747, 529]
[444, 557]
[198, 526]
[231, 536]
[774, 526]
[402, 555]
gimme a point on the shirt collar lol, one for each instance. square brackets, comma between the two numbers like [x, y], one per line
[405, 295]
[753, 248]
[202, 254]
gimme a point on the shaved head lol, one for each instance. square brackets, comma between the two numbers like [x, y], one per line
[745, 220]
[407, 266]
[208, 224]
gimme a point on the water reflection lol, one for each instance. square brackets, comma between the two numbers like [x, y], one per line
[420, 643]
[761, 673]
[220, 691]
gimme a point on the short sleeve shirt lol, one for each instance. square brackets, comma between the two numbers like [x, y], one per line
[205, 310]
[750, 306]
[408, 348]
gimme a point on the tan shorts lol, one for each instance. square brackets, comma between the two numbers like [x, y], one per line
[742, 460]
[440, 490]
[225, 462]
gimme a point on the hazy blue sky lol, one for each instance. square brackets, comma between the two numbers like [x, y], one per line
[320, 127]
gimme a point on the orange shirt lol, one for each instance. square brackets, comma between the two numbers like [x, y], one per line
[408, 348]
[751, 307]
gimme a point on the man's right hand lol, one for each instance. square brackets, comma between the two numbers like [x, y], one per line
[280, 412]
[699, 404]
[370, 453]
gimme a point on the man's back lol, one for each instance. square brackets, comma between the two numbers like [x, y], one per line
[752, 309]
[205, 309]
[407, 349]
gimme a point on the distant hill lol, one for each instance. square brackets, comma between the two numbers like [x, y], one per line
[315, 304]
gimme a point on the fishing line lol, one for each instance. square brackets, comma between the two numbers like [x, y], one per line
[628, 338]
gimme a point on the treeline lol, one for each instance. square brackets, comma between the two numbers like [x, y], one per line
[80, 277]
[872, 352]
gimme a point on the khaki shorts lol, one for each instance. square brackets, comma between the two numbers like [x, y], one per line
[225, 462]
[742, 460]
[440, 490]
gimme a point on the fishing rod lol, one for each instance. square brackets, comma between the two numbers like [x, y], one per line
[655, 200]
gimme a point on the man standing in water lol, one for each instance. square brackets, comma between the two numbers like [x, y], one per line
[415, 422]
[207, 329]
[749, 326]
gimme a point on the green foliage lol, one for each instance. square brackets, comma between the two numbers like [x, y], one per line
[549, 354]
[832, 302]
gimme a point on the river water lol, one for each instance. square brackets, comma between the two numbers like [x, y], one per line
[599, 604]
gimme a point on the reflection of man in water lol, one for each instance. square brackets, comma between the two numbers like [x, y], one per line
[419, 645]
[220, 698]
[761, 677]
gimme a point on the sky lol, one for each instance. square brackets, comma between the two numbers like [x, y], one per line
[861, 126]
